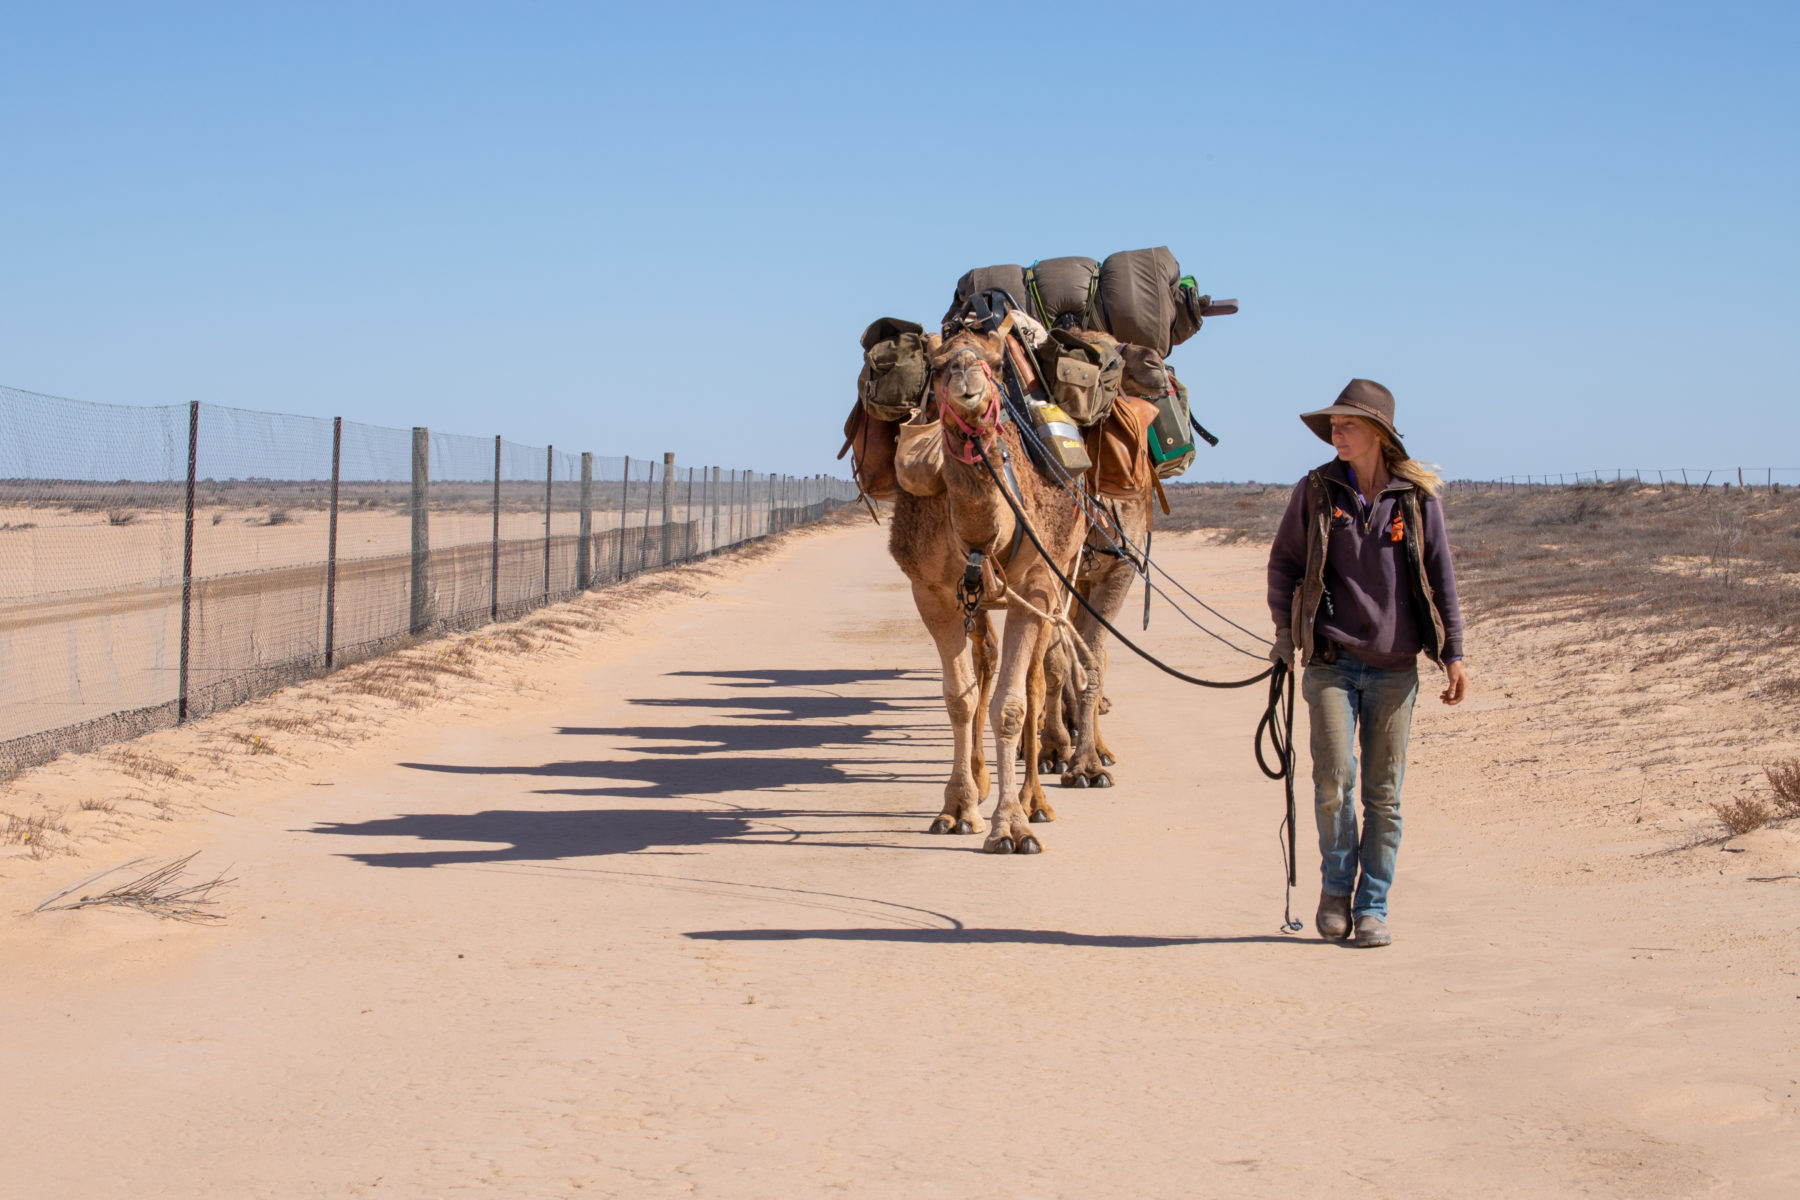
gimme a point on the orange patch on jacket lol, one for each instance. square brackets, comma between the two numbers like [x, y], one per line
[1397, 531]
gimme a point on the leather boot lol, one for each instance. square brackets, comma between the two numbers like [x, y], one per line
[1333, 919]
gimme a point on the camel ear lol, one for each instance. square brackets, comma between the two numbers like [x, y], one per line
[933, 343]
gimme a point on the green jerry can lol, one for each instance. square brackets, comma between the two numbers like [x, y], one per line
[1171, 438]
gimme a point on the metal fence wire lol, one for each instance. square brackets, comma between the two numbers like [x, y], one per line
[159, 564]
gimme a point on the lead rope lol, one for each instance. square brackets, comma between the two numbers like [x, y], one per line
[1278, 722]
[1277, 718]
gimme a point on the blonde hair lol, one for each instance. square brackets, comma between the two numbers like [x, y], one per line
[1422, 475]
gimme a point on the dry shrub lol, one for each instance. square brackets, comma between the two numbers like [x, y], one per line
[162, 890]
[94, 804]
[142, 765]
[1784, 781]
[1246, 512]
[408, 678]
[279, 516]
[252, 743]
[1743, 814]
[120, 516]
[330, 725]
[37, 832]
[1783, 687]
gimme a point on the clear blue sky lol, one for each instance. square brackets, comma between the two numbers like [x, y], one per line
[1564, 234]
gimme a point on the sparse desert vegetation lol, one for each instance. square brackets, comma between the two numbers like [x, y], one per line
[1658, 626]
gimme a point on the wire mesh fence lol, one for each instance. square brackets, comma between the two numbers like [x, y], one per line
[1703, 478]
[158, 564]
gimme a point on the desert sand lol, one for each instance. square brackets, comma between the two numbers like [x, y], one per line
[653, 913]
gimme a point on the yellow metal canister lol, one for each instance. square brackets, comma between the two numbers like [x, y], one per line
[1059, 435]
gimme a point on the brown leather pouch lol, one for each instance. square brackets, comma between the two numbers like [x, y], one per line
[871, 442]
[1121, 455]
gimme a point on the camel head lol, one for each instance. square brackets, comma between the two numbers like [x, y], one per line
[1145, 374]
[966, 368]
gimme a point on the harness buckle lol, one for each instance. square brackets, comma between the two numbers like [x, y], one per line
[968, 592]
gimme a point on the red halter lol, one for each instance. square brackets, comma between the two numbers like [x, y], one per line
[975, 436]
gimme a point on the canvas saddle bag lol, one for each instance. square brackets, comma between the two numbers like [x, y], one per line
[1084, 372]
[896, 368]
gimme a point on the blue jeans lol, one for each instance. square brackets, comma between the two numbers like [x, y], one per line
[1354, 706]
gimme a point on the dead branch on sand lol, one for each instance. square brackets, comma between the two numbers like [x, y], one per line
[158, 891]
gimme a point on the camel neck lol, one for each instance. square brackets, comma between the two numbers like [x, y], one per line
[978, 514]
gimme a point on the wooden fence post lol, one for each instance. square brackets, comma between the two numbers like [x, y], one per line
[494, 543]
[549, 482]
[584, 553]
[624, 507]
[187, 566]
[644, 534]
[420, 618]
[688, 538]
[668, 499]
[337, 453]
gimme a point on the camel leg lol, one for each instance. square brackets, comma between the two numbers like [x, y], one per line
[1110, 587]
[1011, 823]
[962, 691]
[1037, 805]
[1054, 743]
[987, 658]
[1107, 757]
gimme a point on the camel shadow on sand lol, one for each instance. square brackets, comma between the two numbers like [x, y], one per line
[774, 748]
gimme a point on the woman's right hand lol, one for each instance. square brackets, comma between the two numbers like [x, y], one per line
[1457, 682]
[1283, 649]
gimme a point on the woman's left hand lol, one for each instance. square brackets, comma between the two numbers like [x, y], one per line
[1458, 685]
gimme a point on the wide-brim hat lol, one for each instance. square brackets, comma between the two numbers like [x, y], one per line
[1360, 398]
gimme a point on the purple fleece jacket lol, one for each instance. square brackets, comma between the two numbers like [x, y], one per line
[1366, 609]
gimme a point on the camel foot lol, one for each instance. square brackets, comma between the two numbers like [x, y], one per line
[941, 825]
[1042, 815]
[1052, 766]
[1075, 779]
[999, 844]
[1029, 845]
[1107, 760]
[965, 826]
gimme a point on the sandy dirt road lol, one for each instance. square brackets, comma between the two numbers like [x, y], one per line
[670, 926]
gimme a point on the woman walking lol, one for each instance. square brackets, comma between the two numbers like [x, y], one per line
[1360, 583]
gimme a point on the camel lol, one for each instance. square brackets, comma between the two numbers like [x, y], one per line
[931, 539]
[1071, 744]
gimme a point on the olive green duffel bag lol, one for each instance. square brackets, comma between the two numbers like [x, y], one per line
[896, 369]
